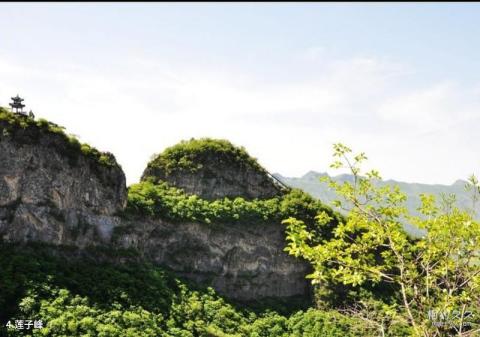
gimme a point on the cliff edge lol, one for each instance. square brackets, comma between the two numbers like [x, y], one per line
[54, 189]
[204, 208]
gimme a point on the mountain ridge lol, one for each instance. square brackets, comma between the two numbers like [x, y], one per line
[77, 196]
[315, 174]
[310, 183]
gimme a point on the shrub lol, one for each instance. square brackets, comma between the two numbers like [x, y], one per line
[135, 299]
[160, 200]
[191, 155]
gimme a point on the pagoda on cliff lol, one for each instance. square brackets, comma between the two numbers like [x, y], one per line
[17, 105]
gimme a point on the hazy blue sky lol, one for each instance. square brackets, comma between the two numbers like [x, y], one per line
[398, 81]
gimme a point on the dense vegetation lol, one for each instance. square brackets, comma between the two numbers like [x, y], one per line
[191, 155]
[86, 297]
[161, 200]
[26, 129]
[371, 278]
[436, 276]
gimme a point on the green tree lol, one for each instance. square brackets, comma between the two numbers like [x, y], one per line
[437, 275]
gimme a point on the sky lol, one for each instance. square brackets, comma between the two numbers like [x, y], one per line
[400, 82]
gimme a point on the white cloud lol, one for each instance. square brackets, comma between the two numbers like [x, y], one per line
[432, 108]
[410, 132]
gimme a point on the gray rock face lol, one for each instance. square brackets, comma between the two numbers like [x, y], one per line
[243, 262]
[218, 181]
[213, 169]
[48, 195]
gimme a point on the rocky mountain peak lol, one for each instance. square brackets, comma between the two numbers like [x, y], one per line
[55, 190]
[212, 169]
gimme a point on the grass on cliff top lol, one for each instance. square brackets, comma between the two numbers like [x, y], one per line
[83, 297]
[10, 122]
[191, 155]
[160, 200]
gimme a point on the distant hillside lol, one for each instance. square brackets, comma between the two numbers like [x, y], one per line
[311, 183]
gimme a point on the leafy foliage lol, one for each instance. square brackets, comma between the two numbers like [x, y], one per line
[78, 297]
[438, 272]
[161, 200]
[311, 183]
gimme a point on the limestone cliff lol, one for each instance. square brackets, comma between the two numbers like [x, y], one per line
[243, 262]
[51, 191]
[55, 190]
